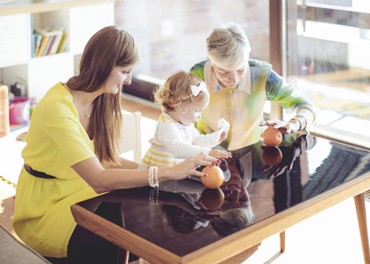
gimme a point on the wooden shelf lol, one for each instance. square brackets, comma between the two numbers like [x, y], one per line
[29, 6]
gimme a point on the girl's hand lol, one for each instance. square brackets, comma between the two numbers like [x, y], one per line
[188, 167]
[220, 154]
[222, 137]
[224, 126]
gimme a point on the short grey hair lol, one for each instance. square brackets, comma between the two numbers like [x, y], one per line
[228, 46]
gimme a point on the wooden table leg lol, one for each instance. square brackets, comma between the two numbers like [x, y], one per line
[282, 241]
[361, 217]
[241, 257]
[127, 256]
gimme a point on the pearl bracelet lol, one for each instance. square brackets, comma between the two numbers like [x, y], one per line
[154, 196]
[153, 177]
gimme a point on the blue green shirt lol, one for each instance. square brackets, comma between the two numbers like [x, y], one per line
[243, 106]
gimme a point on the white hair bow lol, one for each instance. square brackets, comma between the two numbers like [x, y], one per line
[200, 88]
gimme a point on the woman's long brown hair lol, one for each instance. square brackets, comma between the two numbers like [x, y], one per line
[108, 48]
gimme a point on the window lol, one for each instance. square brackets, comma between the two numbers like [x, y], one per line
[172, 34]
[327, 54]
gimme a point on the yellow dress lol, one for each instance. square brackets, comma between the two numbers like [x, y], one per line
[56, 140]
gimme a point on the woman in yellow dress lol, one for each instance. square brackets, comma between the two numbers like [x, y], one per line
[72, 155]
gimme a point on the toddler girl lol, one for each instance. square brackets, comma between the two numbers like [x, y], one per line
[182, 97]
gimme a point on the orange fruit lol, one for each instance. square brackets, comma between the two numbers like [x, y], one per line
[272, 155]
[272, 136]
[214, 178]
[212, 199]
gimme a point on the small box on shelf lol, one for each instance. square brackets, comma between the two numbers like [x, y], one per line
[19, 110]
[4, 110]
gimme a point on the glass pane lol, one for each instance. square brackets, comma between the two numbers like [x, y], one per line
[328, 61]
[172, 34]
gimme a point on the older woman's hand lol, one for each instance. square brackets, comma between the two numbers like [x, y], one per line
[282, 126]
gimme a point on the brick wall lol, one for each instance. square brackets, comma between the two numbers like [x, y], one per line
[171, 33]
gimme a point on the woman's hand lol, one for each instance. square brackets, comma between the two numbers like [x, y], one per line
[220, 154]
[282, 126]
[188, 167]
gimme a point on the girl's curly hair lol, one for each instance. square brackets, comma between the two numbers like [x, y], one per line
[177, 90]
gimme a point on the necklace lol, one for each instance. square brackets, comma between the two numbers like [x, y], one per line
[87, 115]
[85, 112]
[83, 106]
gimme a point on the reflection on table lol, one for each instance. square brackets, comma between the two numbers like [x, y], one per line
[184, 216]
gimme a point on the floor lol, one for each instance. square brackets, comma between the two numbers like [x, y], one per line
[331, 236]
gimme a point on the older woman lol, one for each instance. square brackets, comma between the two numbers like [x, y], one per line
[240, 86]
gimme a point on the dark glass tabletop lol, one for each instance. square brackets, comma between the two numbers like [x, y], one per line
[184, 216]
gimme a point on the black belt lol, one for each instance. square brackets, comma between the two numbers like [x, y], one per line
[36, 173]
